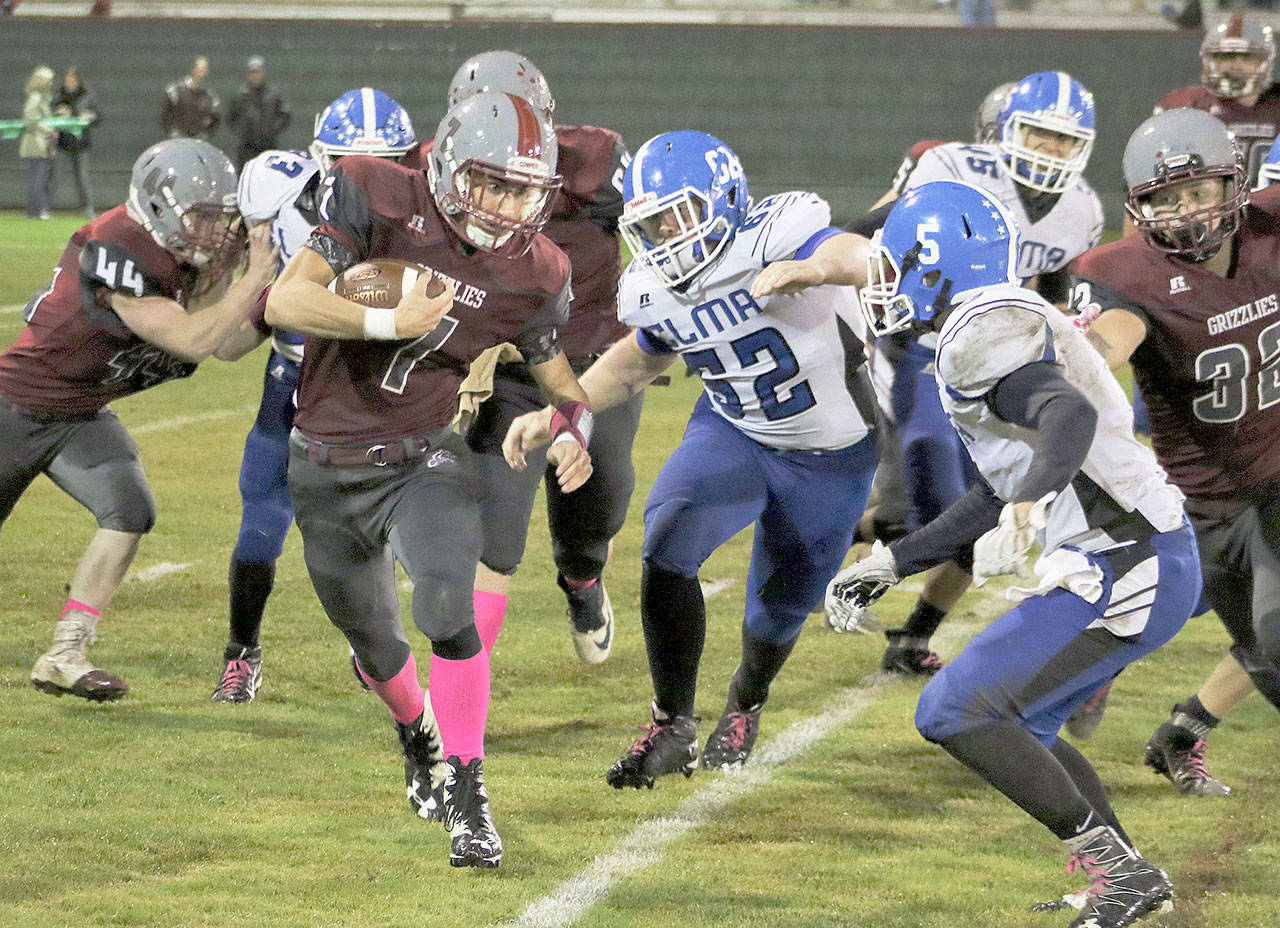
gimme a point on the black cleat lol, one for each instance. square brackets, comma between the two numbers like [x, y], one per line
[1125, 887]
[1176, 750]
[424, 766]
[241, 676]
[590, 620]
[668, 745]
[473, 839]
[735, 735]
[909, 657]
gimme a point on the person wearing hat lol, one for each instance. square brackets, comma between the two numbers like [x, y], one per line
[257, 114]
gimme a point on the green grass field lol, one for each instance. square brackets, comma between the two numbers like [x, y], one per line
[166, 810]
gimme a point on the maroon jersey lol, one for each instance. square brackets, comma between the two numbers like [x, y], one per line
[584, 223]
[1209, 367]
[1254, 127]
[76, 355]
[909, 162]
[355, 391]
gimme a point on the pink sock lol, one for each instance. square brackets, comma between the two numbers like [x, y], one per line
[491, 609]
[402, 693]
[460, 700]
[74, 605]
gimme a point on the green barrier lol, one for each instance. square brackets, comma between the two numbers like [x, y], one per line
[13, 128]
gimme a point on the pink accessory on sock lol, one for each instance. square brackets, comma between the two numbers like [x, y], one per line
[460, 700]
[491, 610]
[580, 584]
[74, 605]
[402, 693]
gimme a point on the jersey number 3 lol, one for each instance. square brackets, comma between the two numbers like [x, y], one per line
[747, 351]
[1228, 367]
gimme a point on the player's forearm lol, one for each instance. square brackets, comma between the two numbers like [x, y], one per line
[211, 326]
[240, 342]
[304, 306]
[842, 260]
[620, 373]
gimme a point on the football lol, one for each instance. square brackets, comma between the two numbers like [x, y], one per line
[382, 282]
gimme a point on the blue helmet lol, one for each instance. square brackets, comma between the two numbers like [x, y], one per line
[696, 182]
[940, 239]
[363, 121]
[1049, 101]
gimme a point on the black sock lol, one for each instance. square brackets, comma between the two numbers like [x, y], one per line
[761, 661]
[1090, 786]
[1010, 758]
[674, 618]
[1195, 708]
[250, 585]
[923, 621]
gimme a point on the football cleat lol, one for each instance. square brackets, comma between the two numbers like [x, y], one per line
[1079, 900]
[424, 765]
[1124, 887]
[734, 736]
[241, 676]
[590, 620]
[1176, 750]
[473, 839]
[1085, 720]
[909, 657]
[669, 745]
[64, 668]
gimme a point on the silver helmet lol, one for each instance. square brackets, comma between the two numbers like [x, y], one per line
[986, 124]
[505, 72]
[1171, 148]
[1237, 57]
[492, 171]
[183, 191]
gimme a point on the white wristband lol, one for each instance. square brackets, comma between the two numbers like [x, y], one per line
[380, 323]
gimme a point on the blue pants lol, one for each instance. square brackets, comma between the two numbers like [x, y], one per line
[264, 490]
[935, 464]
[1040, 661]
[805, 505]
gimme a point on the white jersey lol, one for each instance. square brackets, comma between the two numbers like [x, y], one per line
[776, 367]
[270, 185]
[1050, 243]
[991, 333]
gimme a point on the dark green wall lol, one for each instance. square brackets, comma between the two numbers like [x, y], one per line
[828, 109]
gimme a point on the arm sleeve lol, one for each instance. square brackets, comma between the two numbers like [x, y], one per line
[869, 223]
[952, 534]
[1089, 298]
[539, 341]
[1040, 398]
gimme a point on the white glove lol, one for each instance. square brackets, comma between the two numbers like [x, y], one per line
[1003, 550]
[855, 588]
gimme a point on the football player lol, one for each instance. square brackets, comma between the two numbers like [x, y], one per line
[1190, 303]
[782, 436]
[278, 188]
[1051, 433]
[1237, 59]
[584, 223]
[141, 295]
[376, 472]
[1046, 133]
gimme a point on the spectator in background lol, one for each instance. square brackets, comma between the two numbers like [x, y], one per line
[191, 109]
[976, 12]
[74, 98]
[38, 141]
[257, 115]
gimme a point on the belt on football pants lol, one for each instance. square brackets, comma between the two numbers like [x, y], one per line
[380, 454]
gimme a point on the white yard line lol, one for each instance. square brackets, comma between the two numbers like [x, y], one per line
[156, 571]
[15, 308]
[647, 844]
[713, 587]
[177, 422]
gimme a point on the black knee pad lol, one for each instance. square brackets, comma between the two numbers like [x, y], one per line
[442, 610]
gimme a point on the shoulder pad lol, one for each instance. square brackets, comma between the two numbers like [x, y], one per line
[271, 181]
[778, 225]
[986, 339]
